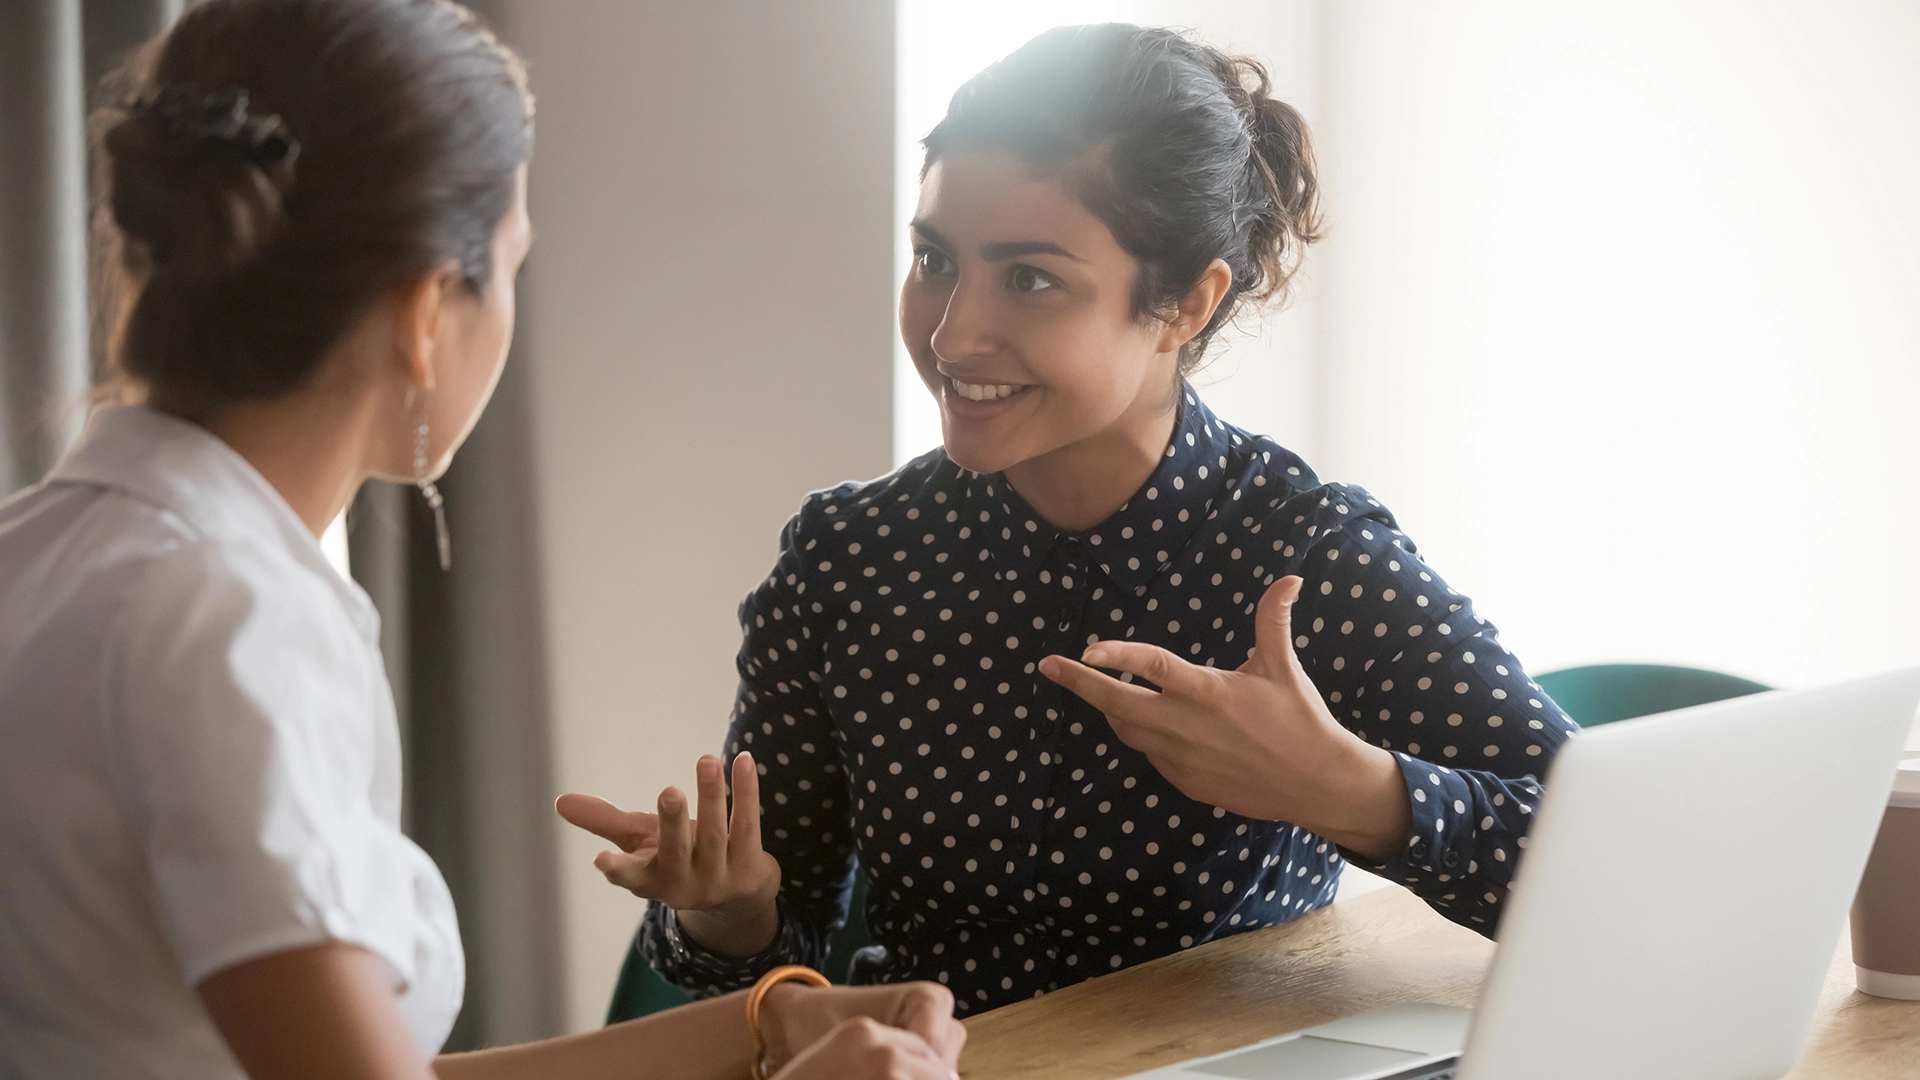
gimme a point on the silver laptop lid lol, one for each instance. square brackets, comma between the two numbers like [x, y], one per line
[1685, 886]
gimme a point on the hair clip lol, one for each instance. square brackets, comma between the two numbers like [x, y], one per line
[221, 117]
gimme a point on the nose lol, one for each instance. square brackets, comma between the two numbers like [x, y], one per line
[966, 330]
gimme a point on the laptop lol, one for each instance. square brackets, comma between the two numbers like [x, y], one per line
[1676, 912]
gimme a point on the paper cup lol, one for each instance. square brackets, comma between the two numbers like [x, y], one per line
[1886, 911]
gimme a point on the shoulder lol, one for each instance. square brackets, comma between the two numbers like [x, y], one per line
[1274, 492]
[1329, 513]
[925, 487]
[231, 671]
[243, 621]
[87, 529]
[207, 574]
[102, 555]
[78, 560]
[1260, 461]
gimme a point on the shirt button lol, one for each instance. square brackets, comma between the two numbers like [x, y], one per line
[1046, 726]
[1450, 860]
[1418, 849]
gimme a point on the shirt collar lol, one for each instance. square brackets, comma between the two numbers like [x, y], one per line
[183, 468]
[1142, 537]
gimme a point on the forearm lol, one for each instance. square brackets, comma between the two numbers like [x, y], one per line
[706, 1040]
[1367, 809]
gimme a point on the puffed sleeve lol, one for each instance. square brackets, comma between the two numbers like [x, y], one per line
[806, 811]
[1406, 663]
[244, 731]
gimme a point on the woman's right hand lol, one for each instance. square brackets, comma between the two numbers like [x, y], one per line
[710, 869]
[862, 1048]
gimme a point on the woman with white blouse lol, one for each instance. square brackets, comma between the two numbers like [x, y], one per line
[320, 207]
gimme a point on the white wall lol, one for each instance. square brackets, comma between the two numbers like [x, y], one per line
[1619, 314]
[708, 316]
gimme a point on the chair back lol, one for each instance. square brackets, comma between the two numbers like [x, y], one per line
[1602, 693]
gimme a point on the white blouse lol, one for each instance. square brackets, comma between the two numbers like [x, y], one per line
[199, 761]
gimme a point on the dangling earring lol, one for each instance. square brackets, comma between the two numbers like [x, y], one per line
[426, 486]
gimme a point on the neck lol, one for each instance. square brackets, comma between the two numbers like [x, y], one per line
[1082, 484]
[312, 446]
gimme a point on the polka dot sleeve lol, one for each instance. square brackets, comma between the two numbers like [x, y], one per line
[805, 823]
[1406, 664]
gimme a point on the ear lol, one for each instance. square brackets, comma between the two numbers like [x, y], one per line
[417, 320]
[1196, 309]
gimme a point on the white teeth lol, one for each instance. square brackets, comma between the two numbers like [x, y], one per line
[985, 391]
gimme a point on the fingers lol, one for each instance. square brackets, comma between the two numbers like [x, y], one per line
[630, 830]
[917, 1016]
[676, 833]
[926, 1009]
[744, 830]
[710, 828]
[1273, 631]
[1149, 662]
[1135, 713]
[633, 831]
[1098, 689]
[675, 857]
[861, 1048]
[952, 1040]
[631, 872]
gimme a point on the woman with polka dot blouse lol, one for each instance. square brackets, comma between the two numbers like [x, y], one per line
[1104, 677]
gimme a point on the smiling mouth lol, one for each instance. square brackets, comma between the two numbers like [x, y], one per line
[985, 391]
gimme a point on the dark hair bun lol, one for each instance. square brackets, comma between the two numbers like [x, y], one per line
[201, 206]
[1283, 160]
[407, 122]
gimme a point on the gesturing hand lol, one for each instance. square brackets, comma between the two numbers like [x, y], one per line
[711, 870]
[903, 1030]
[1257, 741]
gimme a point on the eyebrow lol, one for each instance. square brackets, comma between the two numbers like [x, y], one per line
[999, 251]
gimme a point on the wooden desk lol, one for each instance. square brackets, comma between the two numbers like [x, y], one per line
[1377, 949]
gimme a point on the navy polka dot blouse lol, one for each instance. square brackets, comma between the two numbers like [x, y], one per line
[1012, 844]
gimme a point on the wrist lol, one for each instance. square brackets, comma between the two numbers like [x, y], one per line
[777, 1009]
[734, 930]
[771, 1019]
[1368, 809]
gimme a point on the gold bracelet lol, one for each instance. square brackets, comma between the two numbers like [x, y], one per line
[788, 973]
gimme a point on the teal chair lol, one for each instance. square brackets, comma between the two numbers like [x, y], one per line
[641, 991]
[1602, 693]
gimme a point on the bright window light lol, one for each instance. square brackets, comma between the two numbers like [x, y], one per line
[333, 544]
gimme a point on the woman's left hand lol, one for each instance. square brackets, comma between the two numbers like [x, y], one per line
[1257, 741]
[794, 1017]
